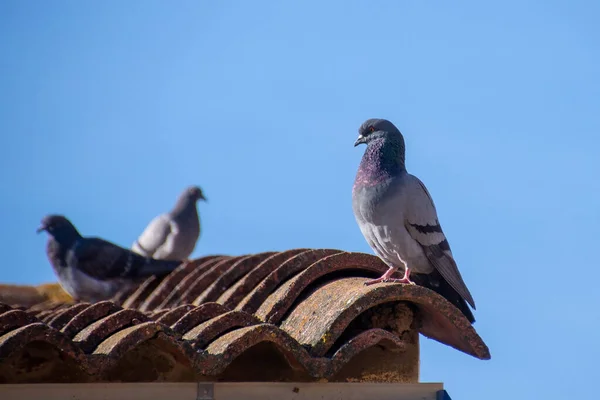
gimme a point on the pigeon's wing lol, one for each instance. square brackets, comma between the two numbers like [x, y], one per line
[154, 236]
[422, 223]
[103, 260]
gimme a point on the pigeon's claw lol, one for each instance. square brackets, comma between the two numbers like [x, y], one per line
[374, 281]
[384, 278]
[402, 280]
[387, 278]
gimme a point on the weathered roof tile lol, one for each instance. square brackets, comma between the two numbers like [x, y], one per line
[306, 308]
[280, 273]
[236, 293]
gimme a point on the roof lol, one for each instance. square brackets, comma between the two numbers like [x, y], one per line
[31, 295]
[301, 315]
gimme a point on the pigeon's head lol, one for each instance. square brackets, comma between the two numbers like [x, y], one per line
[194, 193]
[57, 225]
[376, 128]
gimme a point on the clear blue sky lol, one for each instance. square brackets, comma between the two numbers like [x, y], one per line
[108, 109]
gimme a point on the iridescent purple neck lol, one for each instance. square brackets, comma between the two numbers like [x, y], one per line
[383, 160]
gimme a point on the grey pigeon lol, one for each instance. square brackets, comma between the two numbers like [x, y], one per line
[173, 236]
[92, 269]
[397, 217]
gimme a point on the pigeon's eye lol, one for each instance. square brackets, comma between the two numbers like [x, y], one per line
[371, 129]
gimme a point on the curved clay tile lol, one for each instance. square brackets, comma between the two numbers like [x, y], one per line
[52, 311]
[293, 265]
[88, 316]
[196, 281]
[207, 331]
[174, 314]
[228, 277]
[204, 281]
[155, 293]
[228, 347]
[359, 343]
[14, 319]
[91, 337]
[232, 345]
[196, 316]
[274, 307]
[341, 301]
[236, 293]
[156, 314]
[118, 344]
[63, 317]
[129, 298]
[14, 341]
[45, 307]
[180, 294]
[166, 287]
[4, 308]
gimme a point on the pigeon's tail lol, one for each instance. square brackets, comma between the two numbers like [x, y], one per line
[150, 267]
[435, 282]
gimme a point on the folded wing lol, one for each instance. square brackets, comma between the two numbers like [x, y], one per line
[154, 236]
[423, 226]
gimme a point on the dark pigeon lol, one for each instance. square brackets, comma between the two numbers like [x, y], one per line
[397, 217]
[173, 236]
[92, 269]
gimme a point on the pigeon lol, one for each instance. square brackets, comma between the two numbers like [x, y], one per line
[398, 218]
[173, 236]
[92, 269]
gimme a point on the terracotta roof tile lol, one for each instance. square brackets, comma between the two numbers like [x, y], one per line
[63, 316]
[187, 287]
[240, 289]
[279, 274]
[174, 314]
[197, 316]
[301, 314]
[88, 316]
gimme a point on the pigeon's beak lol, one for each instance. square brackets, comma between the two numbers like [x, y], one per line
[359, 140]
[41, 228]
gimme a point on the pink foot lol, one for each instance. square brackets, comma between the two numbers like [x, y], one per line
[387, 278]
[374, 281]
